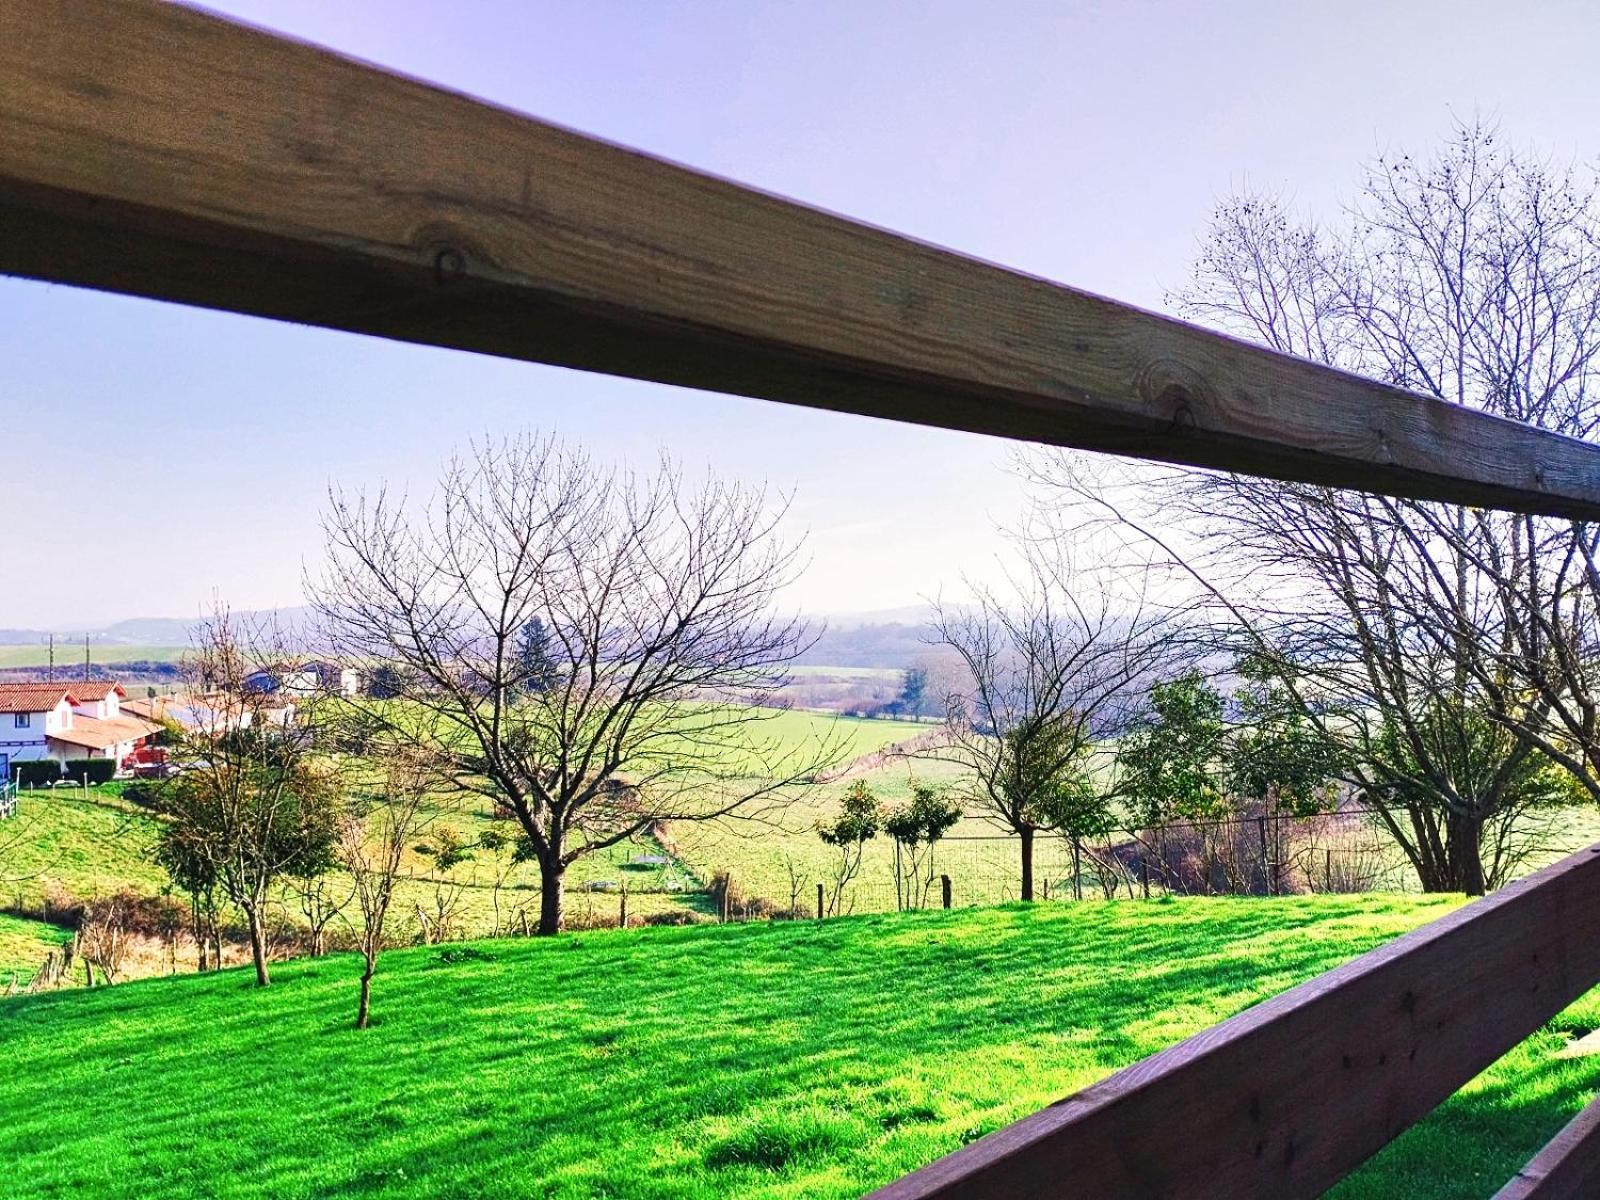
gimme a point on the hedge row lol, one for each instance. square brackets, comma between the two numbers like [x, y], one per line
[43, 771]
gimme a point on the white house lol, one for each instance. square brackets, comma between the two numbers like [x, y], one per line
[304, 679]
[29, 714]
[66, 721]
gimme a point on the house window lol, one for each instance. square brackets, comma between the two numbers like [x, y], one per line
[23, 720]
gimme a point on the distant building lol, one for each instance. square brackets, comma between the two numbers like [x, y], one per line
[304, 679]
[64, 721]
[215, 713]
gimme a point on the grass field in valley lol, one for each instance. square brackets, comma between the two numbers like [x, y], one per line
[68, 657]
[767, 1060]
[85, 844]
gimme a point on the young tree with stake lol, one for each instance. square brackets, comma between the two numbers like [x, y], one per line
[373, 837]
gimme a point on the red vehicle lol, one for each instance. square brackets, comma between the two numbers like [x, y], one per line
[147, 762]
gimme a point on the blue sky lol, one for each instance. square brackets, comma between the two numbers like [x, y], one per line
[176, 454]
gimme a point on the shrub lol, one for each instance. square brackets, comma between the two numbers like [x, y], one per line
[677, 916]
[91, 770]
[37, 772]
[146, 793]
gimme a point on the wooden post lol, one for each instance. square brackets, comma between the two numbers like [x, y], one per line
[1144, 873]
[819, 902]
[944, 889]
[622, 910]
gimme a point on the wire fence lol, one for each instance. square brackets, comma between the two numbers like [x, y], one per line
[1348, 851]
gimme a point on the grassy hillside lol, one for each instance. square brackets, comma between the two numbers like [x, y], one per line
[89, 844]
[23, 945]
[765, 1060]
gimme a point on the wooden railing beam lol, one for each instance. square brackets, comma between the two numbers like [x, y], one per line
[1286, 1098]
[155, 150]
[1566, 1169]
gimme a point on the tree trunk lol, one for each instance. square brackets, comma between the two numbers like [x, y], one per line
[552, 896]
[1466, 854]
[364, 1004]
[1027, 864]
[258, 944]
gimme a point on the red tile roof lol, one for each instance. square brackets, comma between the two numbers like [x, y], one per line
[101, 734]
[33, 697]
[87, 692]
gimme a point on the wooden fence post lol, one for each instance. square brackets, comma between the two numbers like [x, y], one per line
[944, 889]
[1267, 869]
[819, 902]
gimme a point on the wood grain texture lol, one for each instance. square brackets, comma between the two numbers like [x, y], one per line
[159, 151]
[1286, 1098]
[1566, 1169]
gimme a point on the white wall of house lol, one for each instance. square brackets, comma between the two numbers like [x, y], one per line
[26, 742]
[109, 707]
[67, 751]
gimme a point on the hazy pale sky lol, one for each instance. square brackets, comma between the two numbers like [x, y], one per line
[152, 455]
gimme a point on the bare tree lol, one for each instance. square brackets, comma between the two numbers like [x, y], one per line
[1411, 632]
[373, 837]
[104, 936]
[322, 900]
[1051, 677]
[655, 630]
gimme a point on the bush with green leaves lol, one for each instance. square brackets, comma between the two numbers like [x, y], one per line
[915, 826]
[859, 820]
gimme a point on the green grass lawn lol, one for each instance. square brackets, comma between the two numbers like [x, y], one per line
[761, 1060]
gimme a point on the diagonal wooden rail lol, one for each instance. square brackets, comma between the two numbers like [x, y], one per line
[155, 150]
[1567, 1169]
[158, 151]
[1288, 1097]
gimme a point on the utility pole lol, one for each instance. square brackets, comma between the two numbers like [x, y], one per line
[86, 658]
[50, 672]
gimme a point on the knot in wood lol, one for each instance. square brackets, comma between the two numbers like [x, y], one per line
[448, 263]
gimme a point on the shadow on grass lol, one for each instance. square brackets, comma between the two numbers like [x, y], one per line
[786, 1060]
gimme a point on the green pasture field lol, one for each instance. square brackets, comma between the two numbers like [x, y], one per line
[767, 1060]
[68, 657]
[80, 844]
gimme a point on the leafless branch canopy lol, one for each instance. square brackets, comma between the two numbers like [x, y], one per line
[589, 642]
